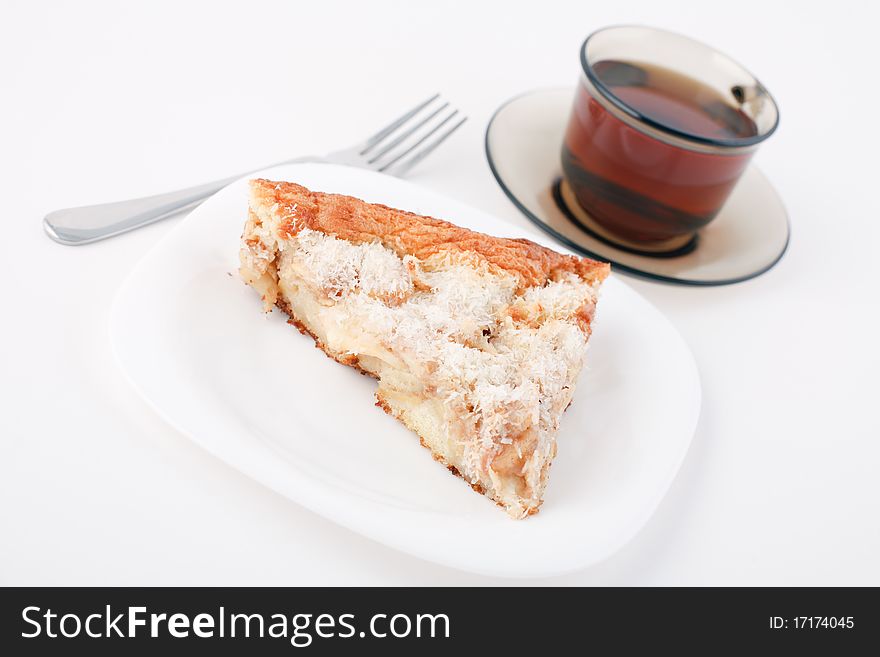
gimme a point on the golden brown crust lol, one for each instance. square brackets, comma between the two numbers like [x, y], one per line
[406, 233]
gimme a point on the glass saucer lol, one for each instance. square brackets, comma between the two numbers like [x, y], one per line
[523, 145]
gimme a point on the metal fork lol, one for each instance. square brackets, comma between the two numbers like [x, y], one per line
[395, 149]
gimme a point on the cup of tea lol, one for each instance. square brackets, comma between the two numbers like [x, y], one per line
[661, 130]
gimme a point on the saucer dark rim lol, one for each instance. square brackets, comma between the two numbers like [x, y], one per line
[590, 254]
[556, 191]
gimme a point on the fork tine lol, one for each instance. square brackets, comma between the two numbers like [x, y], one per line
[422, 154]
[394, 125]
[397, 140]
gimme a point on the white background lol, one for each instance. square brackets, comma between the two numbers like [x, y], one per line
[108, 101]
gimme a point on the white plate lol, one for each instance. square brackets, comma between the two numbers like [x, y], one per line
[255, 393]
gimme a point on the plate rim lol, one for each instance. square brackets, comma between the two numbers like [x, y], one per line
[628, 269]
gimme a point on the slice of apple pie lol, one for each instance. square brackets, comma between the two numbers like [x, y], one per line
[476, 341]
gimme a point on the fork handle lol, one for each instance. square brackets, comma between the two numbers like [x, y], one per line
[91, 223]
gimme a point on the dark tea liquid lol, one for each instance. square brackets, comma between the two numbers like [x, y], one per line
[637, 187]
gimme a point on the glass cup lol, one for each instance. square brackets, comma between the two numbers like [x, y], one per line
[661, 130]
